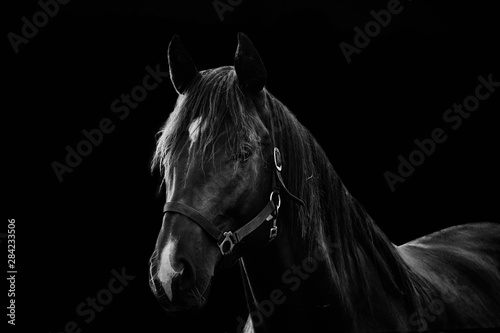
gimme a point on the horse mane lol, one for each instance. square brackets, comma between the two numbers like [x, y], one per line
[331, 212]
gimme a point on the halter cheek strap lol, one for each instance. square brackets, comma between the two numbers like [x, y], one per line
[279, 166]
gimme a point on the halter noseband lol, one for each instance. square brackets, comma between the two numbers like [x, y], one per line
[228, 239]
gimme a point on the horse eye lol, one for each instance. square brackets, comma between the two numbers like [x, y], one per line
[243, 155]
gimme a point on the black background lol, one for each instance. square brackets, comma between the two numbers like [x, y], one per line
[106, 214]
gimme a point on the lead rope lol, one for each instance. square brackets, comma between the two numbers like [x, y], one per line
[249, 294]
[248, 287]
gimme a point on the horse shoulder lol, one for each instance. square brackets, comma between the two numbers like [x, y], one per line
[460, 265]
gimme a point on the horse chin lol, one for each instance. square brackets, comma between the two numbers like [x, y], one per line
[191, 302]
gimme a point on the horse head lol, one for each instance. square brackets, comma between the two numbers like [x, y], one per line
[218, 161]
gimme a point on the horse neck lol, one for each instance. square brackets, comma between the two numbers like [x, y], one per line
[360, 262]
[332, 291]
[365, 270]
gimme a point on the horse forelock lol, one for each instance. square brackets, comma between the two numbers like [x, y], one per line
[213, 107]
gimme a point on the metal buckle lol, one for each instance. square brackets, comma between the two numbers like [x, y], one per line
[273, 232]
[228, 237]
[277, 159]
[278, 205]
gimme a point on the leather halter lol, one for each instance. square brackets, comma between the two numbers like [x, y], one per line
[228, 239]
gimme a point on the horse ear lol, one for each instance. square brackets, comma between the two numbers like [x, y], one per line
[249, 67]
[181, 66]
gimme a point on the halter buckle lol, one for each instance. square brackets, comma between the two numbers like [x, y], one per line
[277, 159]
[229, 240]
[273, 232]
[276, 203]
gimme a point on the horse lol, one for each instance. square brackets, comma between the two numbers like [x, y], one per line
[247, 183]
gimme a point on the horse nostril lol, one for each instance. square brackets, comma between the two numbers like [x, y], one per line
[179, 265]
[173, 283]
[186, 278]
